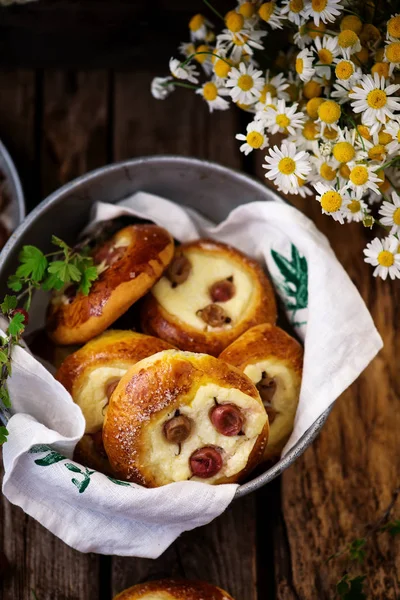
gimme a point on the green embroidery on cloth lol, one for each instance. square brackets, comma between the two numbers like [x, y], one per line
[294, 287]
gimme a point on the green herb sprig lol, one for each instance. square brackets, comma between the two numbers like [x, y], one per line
[53, 271]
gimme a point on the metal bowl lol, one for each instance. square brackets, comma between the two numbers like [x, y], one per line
[209, 188]
[15, 211]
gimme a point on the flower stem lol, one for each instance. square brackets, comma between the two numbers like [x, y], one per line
[210, 6]
[189, 58]
[185, 85]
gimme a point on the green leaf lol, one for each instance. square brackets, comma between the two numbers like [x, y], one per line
[73, 468]
[3, 357]
[393, 527]
[51, 458]
[52, 283]
[34, 263]
[16, 325]
[61, 244]
[88, 276]
[8, 304]
[356, 550]
[5, 396]
[60, 269]
[118, 481]
[73, 272]
[14, 283]
[3, 435]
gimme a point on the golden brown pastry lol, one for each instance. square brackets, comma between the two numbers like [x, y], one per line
[274, 361]
[129, 264]
[178, 415]
[91, 374]
[170, 589]
[210, 295]
[90, 452]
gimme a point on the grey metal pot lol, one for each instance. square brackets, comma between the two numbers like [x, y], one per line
[15, 211]
[207, 187]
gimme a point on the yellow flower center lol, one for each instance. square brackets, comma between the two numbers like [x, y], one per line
[210, 91]
[343, 152]
[344, 171]
[312, 107]
[202, 57]
[354, 206]
[330, 133]
[347, 38]
[331, 201]
[312, 89]
[296, 6]
[327, 172]
[384, 138]
[396, 216]
[361, 57]
[381, 68]
[287, 166]
[234, 21]
[359, 175]
[196, 22]
[369, 34]
[319, 5]
[377, 152]
[393, 26]
[255, 139]
[376, 99]
[351, 22]
[247, 9]
[316, 31]
[392, 52]
[385, 258]
[282, 120]
[310, 131]
[240, 40]
[300, 181]
[299, 65]
[325, 56]
[221, 68]
[344, 69]
[245, 82]
[329, 111]
[364, 132]
[266, 10]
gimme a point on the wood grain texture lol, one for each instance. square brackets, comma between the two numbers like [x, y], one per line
[345, 480]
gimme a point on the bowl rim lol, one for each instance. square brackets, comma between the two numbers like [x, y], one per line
[18, 197]
[308, 437]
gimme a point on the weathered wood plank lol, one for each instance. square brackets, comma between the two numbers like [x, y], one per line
[346, 479]
[223, 552]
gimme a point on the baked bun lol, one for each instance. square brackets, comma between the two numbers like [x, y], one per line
[210, 295]
[274, 362]
[90, 452]
[177, 415]
[90, 375]
[169, 589]
[129, 264]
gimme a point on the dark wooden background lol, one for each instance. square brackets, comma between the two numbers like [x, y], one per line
[74, 95]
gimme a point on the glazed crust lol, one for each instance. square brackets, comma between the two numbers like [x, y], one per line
[155, 388]
[268, 342]
[155, 320]
[169, 589]
[149, 250]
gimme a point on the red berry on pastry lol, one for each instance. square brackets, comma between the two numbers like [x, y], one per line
[206, 462]
[227, 419]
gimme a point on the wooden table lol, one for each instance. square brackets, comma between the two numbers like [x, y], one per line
[61, 122]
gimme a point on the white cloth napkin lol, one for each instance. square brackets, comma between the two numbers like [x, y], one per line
[93, 513]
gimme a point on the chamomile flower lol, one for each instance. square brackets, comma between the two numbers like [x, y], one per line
[284, 118]
[275, 86]
[344, 149]
[393, 129]
[212, 95]
[340, 91]
[369, 149]
[355, 209]
[303, 190]
[393, 27]
[187, 72]
[221, 66]
[198, 26]
[187, 49]
[371, 97]
[390, 212]
[161, 87]
[302, 38]
[348, 42]
[323, 10]
[269, 13]
[292, 9]
[246, 84]
[346, 70]
[326, 49]
[392, 55]
[324, 166]
[384, 255]
[333, 202]
[237, 45]
[284, 165]
[255, 139]
[304, 65]
[362, 177]
[328, 115]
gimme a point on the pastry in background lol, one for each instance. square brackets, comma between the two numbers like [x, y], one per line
[129, 264]
[178, 415]
[274, 361]
[170, 589]
[210, 294]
